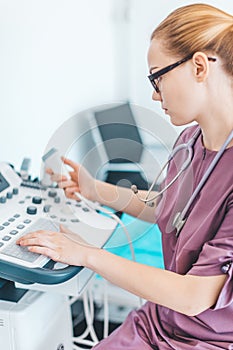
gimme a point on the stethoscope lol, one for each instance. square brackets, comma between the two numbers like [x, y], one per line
[179, 219]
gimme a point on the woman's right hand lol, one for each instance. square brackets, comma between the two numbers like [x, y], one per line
[80, 181]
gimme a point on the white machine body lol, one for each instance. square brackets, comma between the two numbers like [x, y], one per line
[37, 321]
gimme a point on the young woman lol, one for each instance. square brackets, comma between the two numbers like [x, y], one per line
[190, 303]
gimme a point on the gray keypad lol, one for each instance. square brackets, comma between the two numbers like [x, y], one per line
[22, 253]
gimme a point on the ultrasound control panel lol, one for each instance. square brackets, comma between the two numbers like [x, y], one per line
[26, 207]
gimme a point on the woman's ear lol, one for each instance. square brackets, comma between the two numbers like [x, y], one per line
[201, 66]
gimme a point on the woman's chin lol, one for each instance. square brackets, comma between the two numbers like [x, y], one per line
[177, 121]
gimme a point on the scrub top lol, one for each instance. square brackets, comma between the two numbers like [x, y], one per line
[204, 247]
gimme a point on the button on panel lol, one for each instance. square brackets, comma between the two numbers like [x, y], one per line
[52, 193]
[6, 238]
[6, 223]
[2, 199]
[20, 227]
[36, 200]
[9, 195]
[46, 208]
[13, 232]
[74, 220]
[11, 219]
[15, 190]
[31, 210]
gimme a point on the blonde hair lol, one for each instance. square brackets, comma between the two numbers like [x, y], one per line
[198, 27]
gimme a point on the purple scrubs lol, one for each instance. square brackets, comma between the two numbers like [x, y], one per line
[204, 247]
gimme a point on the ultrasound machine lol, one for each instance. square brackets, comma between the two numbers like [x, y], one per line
[34, 303]
[35, 292]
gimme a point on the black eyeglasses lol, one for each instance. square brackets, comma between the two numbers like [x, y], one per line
[154, 78]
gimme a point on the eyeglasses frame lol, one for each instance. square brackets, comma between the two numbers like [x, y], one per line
[154, 76]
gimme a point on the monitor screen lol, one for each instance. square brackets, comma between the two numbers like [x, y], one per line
[120, 134]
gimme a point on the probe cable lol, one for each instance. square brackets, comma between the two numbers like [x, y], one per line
[88, 297]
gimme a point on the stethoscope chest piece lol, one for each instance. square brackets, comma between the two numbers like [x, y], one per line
[178, 223]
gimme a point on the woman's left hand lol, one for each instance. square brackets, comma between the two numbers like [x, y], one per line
[65, 246]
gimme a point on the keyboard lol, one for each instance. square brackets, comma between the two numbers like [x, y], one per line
[27, 206]
[10, 251]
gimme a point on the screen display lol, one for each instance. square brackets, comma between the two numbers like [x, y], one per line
[120, 134]
[3, 183]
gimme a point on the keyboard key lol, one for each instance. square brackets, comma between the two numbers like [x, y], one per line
[11, 219]
[85, 209]
[6, 238]
[21, 226]
[6, 223]
[13, 232]
[74, 220]
[16, 216]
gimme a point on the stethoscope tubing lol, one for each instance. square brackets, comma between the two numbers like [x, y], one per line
[184, 146]
[206, 176]
[179, 219]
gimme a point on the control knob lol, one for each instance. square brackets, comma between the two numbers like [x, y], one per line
[36, 200]
[52, 193]
[9, 195]
[2, 199]
[31, 210]
[15, 190]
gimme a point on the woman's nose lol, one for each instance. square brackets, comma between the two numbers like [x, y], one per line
[156, 96]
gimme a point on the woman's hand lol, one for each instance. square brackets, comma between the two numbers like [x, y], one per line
[81, 181]
[65, 246]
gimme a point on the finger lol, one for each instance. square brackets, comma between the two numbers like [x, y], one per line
[29, 236]
[54, 176]
[50, 253]
[58, 177]
[49, 171]
[66, 183]
[40, 234]
[34, 239]
[70, 192]
[70, 163]
[39, 242]
[29, 241]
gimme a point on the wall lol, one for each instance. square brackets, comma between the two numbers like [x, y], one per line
[57, 58]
